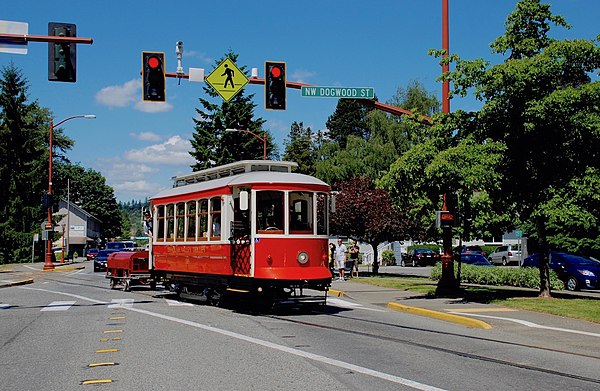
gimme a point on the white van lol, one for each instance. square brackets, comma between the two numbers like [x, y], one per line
[505, 255]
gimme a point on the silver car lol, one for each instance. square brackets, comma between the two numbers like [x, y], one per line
[506, 255]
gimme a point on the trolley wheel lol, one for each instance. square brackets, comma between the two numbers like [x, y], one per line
[113, 283]
[153, 284]
[127, 286]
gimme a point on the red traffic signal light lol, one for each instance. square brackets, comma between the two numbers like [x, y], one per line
[153, 77]
[275, 90]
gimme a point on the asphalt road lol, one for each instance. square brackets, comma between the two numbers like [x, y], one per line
[51, 331]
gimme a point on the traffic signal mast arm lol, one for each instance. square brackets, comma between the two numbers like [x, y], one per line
[20, 38]
[292, 84]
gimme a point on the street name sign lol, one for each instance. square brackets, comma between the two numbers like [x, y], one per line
[227, 79]
[17, 28]
[339, 92]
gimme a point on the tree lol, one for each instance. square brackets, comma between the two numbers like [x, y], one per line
[24, 137]
[300, 148]
[212, 145]
[542, 104]
[348, 119]
[366, 214]
[88, 190]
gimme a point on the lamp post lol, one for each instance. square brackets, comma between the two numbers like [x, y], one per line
[49, 226]
[263, 139]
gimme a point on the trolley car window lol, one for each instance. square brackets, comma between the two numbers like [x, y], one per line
[269, 212]
[215, 213]
[301, 212]
[191, 221]
[160, 222]
[170, 222]
[180, 218]
[203, 219]
[322, 213]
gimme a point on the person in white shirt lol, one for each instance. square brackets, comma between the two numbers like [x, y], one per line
[340, 257]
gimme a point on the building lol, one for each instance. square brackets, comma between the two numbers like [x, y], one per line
[77, 229]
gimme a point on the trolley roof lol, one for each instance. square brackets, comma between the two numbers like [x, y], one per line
[246, 172]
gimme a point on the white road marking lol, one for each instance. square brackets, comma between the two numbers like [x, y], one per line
[31, 267]
[4, 306]
[270, 345]
[531, 324]
[76, 272]
[178, 303]
[347, 304]
[121, 303]
[58, 306]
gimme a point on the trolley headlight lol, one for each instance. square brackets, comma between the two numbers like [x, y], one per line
[302, 257]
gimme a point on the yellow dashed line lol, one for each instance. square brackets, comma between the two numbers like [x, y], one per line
[116, 318]
[116, 339]
[101, 364]
[103, 339]
[96, 381]
[107, 351]
[112, 331]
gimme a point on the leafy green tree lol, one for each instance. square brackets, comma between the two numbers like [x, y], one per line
[212, 145]
[24, 137]
[88, 190]
[300, 148]
[348, 119]
[542, 104]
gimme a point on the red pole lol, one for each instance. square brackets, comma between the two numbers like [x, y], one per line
[446, 48]
[48, 264]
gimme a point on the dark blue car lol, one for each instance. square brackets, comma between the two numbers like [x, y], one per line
[102, 258]
[474, 259]
[577, 272]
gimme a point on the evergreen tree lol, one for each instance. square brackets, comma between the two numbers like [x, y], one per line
[212, 145]
[349, 118]
[24, 130]
[299, 148]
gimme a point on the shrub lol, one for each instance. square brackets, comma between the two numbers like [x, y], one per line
[387, 258]
[520, 277]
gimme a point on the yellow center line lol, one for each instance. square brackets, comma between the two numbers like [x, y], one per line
[112, 331]
[103, 339]
[101, 364]
[116, 318]
[96, 381]
[116, 339]
[107, 351]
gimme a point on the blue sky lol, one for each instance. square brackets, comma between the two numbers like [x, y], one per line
[138, 147]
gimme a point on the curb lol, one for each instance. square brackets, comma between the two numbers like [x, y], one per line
[336, 293]
[469, 322]
[64, 269]
[23, 282]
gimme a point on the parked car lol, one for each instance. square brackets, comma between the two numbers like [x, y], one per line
[91, 254]
[505, 255]
[577, 272]
[101, 258]
[475, 259]
[470, 250]
[420, 257]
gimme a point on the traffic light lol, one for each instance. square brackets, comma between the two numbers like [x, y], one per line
[62, 57]
[153, 76]
[275, 85]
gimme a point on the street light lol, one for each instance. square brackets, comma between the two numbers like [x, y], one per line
[263, 139]
[49, 225]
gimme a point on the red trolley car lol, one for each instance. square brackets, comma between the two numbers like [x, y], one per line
[247, 227]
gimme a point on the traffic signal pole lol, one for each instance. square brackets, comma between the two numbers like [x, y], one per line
[24, 38]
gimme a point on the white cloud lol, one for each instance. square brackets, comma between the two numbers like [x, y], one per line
[127, 94]
[301, 75]
[174, 151]
[120, 96]
[145, 136]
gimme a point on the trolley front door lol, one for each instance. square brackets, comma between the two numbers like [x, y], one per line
[240, 255]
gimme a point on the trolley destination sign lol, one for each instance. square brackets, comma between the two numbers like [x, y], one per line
[339, 92]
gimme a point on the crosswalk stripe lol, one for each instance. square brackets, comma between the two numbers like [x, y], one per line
[58, 306]
[178, 303]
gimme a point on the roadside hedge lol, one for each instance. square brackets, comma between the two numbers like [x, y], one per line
[524, 277]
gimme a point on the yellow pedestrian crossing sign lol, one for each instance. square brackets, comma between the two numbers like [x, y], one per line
[227, 79]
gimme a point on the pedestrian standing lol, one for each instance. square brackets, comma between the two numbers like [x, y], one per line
[332, 257]
[340, 257]
[354, 250]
